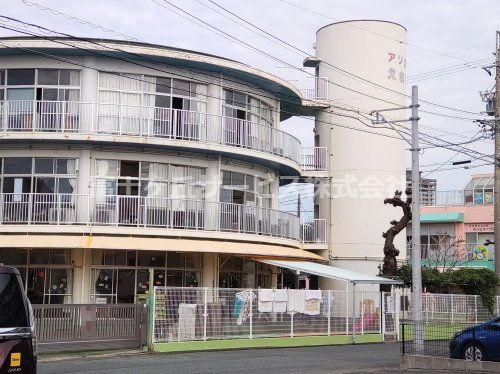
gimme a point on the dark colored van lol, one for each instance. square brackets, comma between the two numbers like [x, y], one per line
[17, 333]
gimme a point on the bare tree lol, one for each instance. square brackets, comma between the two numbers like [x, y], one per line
[447, 253]
[390, 264]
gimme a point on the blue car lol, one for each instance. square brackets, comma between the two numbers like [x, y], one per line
[479, 343]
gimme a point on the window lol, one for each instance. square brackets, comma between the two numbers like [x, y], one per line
[56, 92]
[115, 279]
[242, 106]
[123, 96]
[20, 77]
[47, 273]
[156, 180]
[238, 188]
[237, 272]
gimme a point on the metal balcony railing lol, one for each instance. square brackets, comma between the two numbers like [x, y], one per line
[164, 123]
[138, 211]
[314, 159]
[310, 86]
[314, 231]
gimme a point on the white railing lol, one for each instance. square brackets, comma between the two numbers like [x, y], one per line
[455, 197]
[461, 252]
[310, 86]
[314, 232]
[144, 121]
[138, 211]
[314, 158]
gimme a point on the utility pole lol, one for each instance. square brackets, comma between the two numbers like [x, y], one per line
[415, 211]
[496, 197]
[416, 280]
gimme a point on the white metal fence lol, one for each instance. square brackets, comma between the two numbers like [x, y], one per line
[182, 314]
[450, 308]
[165, 123]
[139, 211]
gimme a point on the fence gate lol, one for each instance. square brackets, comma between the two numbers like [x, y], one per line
[71, 327]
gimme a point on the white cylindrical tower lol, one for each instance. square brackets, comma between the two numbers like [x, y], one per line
[365, 63]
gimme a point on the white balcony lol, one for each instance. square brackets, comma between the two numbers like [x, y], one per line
[154, 122]
[313, 232]
[314, 158]
[145, 212]
[310, 86]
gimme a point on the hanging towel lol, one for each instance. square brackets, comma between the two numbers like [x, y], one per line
[296, 301]
[238, 306]
[280, 295]
[313, 302]
[280, 299]
[187, 322]
[313, 294]
[266, 297]
[279, 306]
[266, 294]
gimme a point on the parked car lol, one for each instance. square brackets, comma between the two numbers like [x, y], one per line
[17, 333]
[480, 343]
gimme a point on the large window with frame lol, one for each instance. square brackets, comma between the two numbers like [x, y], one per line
[47, 274]
[38, 189]
[151, 193]
[238, 272]
[161, 106]
[120, 276]
[248, 122]
[246, 189]
[41, 99]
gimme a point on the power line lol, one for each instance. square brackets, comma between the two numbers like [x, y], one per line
[288, 44]
[306, 72]
[372, 32]
[133, 62]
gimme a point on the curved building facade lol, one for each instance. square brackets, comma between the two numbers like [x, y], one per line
[118, 158]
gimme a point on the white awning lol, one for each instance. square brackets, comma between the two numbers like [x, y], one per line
[330, 272]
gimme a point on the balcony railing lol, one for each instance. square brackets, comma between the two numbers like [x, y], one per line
[138, 211]
[310, 86]
[164, 123]
[462, 252]
[313, 232]
[314, 158]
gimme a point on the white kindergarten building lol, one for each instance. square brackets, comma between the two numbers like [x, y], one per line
[120, 157]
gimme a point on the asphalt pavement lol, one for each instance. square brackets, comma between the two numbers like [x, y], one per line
[363, 358]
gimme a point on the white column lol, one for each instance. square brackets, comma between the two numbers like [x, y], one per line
[214, 102]
[210, 271]
[89, 95]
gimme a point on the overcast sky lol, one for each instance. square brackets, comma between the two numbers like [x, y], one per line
[461, 31]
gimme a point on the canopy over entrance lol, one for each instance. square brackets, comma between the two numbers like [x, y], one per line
[331, 272]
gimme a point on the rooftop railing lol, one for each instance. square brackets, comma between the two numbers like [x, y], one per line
[155, 122]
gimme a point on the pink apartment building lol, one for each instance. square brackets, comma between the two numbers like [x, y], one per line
[464, 217]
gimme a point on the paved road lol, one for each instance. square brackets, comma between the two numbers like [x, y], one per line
[366, 358]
